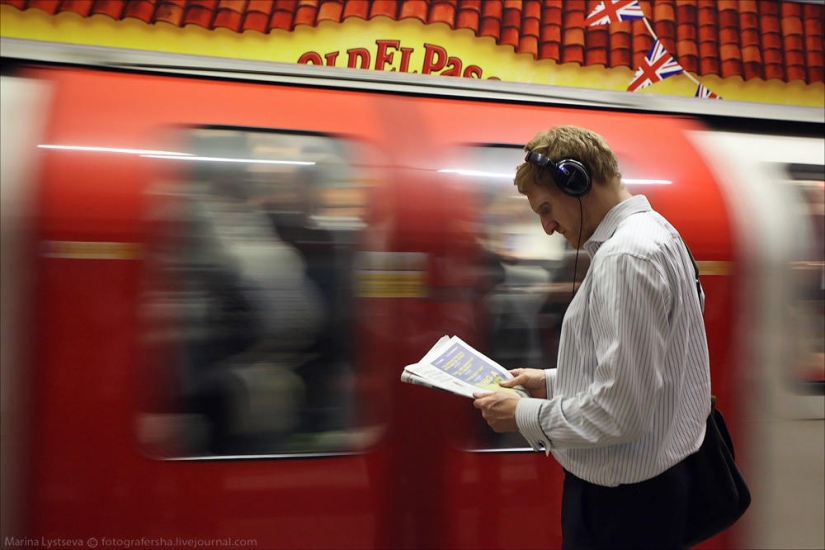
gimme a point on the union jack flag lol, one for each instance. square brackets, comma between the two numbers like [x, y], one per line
[704, 93]
[613, 11]
[658, 65]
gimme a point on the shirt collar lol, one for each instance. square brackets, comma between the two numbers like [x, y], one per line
[614, 217]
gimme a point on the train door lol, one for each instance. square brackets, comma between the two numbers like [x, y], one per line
[254, 311]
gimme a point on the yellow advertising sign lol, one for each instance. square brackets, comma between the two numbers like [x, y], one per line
[384, 44]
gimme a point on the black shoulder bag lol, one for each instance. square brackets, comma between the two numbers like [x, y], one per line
[718, 494]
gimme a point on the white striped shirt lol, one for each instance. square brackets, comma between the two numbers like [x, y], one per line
[631, 393]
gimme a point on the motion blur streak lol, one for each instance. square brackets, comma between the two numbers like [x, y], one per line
[21, 125]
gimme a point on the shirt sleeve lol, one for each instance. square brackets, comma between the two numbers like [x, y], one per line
[629, 309]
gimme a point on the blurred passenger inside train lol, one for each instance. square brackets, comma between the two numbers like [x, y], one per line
[630, 395]
[262, 290]
[255, 312]
[292, 218]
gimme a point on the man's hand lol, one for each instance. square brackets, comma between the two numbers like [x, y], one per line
[498, 409]
[533, 380]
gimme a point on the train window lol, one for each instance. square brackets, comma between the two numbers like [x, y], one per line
[808, 371]
[249, 297]
[529, 277]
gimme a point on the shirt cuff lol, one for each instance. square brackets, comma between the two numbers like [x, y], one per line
[550, 382]
[528, 411]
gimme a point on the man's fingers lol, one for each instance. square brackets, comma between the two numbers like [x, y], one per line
[479, 401]
[515, 381]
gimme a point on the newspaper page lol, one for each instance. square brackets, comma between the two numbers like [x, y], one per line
[455, 366]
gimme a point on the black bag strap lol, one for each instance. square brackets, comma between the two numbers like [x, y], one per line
[713, 410]
[695, 271]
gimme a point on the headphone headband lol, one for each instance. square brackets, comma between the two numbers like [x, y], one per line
[570, 175]
[538, 159]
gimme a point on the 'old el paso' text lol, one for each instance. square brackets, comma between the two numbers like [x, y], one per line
[390, 56]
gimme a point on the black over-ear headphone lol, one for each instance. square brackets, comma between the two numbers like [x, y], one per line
[570, 175]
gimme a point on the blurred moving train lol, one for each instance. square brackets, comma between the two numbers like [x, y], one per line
[213, 273]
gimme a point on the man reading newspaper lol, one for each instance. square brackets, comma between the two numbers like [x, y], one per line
[629, 398]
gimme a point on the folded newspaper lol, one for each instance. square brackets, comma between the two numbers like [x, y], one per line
[454, 366]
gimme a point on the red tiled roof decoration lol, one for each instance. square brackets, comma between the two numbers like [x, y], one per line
[768, 39]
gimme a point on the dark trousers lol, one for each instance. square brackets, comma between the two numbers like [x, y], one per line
[646, 515]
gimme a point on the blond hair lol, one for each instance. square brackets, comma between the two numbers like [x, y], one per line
[568, 142]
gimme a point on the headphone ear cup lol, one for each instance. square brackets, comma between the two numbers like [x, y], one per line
[573, 178]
